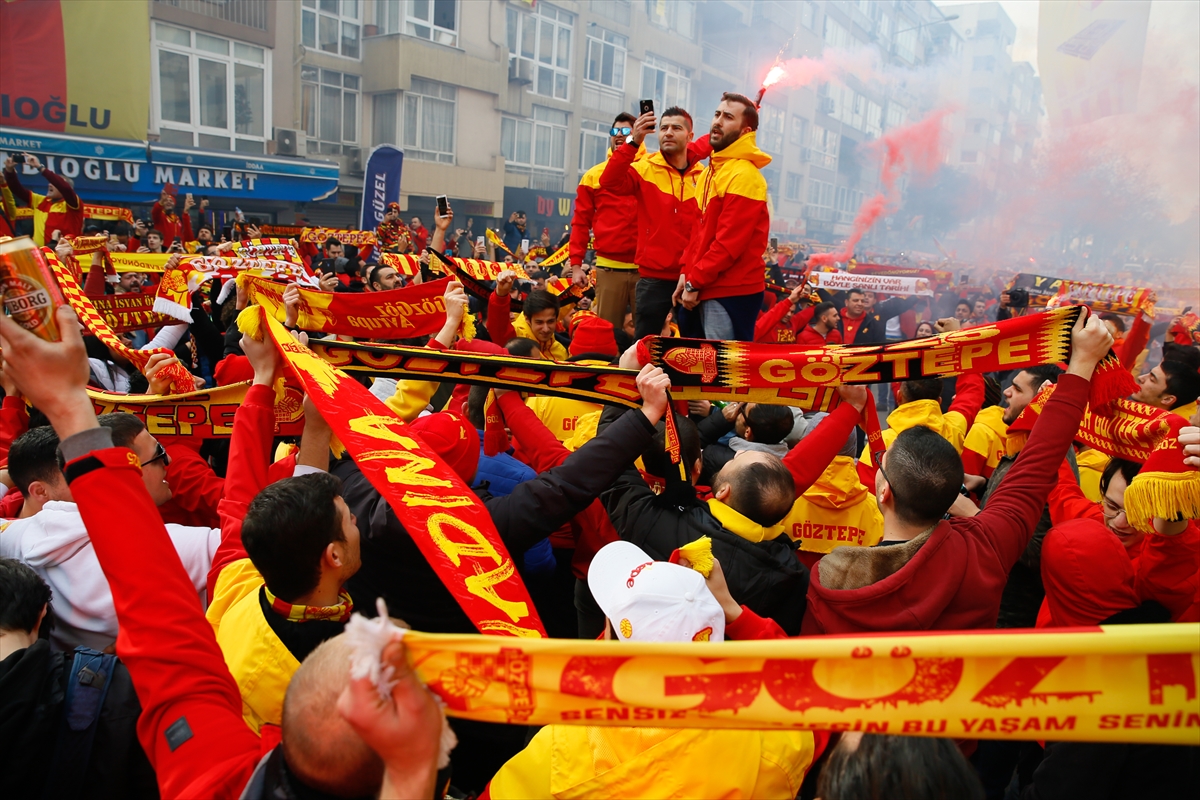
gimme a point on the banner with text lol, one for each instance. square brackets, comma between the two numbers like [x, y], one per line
[883, 284]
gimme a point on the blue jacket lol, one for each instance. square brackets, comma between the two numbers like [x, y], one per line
[513, 236]
[502, 473]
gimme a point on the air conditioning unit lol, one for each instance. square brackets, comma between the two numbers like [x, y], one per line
[826, 105]
[285, 141]
[520, 71]
[805, 155]
[354, 161]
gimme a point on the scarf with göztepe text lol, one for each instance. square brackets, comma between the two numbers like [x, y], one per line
[206, 414]
[175, 289]
[443, 516]
[181, 380]
[418, 310]
[1095, 685]
[767, 373]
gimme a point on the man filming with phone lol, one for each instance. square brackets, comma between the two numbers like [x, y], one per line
[610, 219]
[664, 185]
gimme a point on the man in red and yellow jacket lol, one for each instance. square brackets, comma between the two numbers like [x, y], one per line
[664, 184]
[722, 282]
[608, 219]
[58, 210]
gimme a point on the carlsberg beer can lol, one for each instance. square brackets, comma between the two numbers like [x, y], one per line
[30, 292]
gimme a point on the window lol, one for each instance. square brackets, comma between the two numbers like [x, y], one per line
[906, 45]
[799, 131]
[211, 92]
[976, 125]
[808, 15]
[836, 34]
[984, 64]
[668, 84]
[823, 147]
[895, 115]
[795, 183]
[329, 109]
[540, 142]
[606, 58]
[619, 11]
[383, 119]
[820, 193]
[770, 129]
[1017, 151]
[429, 121]
[331, 26]
[435, 20]
[995, 136]
[593, 143]
[678, 16]
[873, 123]
[847, 203]
[981, 97]
[540, 42]
[969, 156]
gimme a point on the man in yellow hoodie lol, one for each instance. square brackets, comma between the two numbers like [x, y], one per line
[722, 281]
[655, 601]
[538, 319]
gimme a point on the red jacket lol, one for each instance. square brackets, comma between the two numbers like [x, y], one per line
[64, 216]
[171, 225]
[954, 581]
[606, 216]
[811, 337]
[724, 257]
[195, 488]
[666, 204]
[166, 643]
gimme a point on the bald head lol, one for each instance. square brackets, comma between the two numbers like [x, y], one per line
[756, 485]
[319, 745]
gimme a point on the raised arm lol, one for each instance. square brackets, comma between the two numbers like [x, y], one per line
[499, 326]
[968, 399]
[542, 447]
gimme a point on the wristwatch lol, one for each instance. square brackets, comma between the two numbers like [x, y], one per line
[629, 140]
[687, 287]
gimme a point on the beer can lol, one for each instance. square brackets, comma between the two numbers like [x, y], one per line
[29, 289]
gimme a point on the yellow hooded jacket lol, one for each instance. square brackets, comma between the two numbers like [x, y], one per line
[836, 511]
[575, 761]
[1091, 465]
[952, 426]
[985, 441]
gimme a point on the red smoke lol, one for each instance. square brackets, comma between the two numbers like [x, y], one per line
[862, 63]
[916, 147]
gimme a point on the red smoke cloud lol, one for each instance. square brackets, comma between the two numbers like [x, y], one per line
[915, 147]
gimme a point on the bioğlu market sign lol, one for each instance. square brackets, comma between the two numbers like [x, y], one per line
[108, 170]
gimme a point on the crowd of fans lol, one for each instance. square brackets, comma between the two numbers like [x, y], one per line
[173, 610]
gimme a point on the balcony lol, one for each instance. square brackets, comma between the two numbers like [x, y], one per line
[818, 213]
[251, 13]
[719, 59]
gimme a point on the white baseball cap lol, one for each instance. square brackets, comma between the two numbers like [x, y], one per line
[653, 601]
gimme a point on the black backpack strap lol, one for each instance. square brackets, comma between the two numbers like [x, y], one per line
[87, 686]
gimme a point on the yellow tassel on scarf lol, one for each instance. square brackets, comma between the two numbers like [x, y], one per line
[1165, 487]
[698, 554]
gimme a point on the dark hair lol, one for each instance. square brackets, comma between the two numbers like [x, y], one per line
[330, 242]
[676, 111]
[964, 302]
[855, 290]
[915, 768]
[125, 427]
[749, 112]
[922, 389]
[1181, 367]
[771, 424]
[926, 474]
[538, 301]
[521, 347]
[539, 274]
[476, 398]
[655, 458]
[624, 116]
[34, 457]
[821, 308]
[155, 232]
[1043, 373]
[763, 491]
[1128, 470]
[1115, 319]
[287, 528]
[23, 595]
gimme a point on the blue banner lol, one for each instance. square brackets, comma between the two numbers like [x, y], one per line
[108, 171]
[381, 185]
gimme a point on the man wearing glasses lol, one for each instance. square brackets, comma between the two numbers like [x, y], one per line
[609, 220]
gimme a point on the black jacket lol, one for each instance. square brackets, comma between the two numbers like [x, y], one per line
[766, 577]
[394, 568]
[873, 329]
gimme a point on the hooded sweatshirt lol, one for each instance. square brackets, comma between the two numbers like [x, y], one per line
[1087, 575]
[984, 446]
[724, 258]
[836, 511]
[55, 543]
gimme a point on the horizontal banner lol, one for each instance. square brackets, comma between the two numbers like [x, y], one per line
[1127, 683]
[1129, 300]
[269, 248]
[355, 238]
[477, 268]
[403, 313]
[139, 262]
[129, 312]
[885, 284]
[597, 384]
[939, 275]
[206, 414]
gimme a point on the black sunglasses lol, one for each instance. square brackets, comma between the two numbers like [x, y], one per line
[625, 131]
[160, 454]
